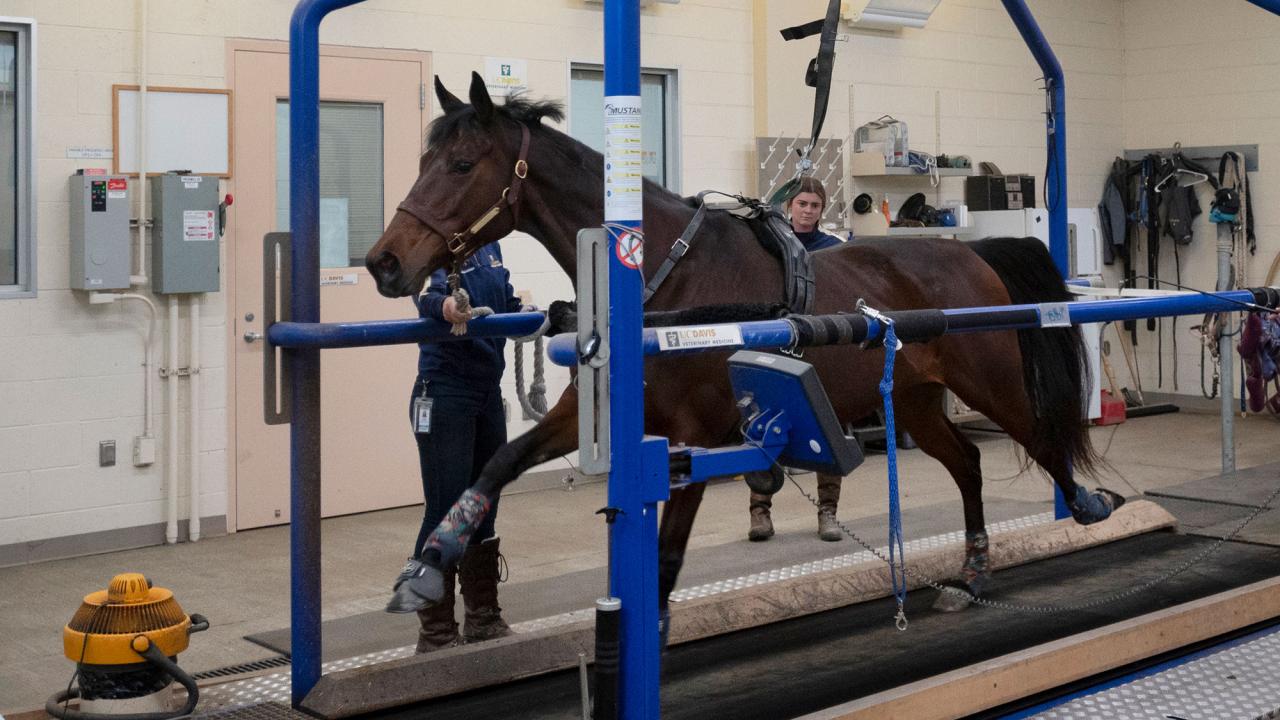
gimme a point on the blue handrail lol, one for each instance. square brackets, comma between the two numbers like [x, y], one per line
[298, 335]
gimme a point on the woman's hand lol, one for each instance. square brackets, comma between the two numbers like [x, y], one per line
[451, 313]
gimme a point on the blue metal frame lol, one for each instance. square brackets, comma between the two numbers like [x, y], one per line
[633, 571]
[1055, 130]
[765, 334]
[300, 335]
[304, 365]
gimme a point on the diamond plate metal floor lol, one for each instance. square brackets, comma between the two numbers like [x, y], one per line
[1241, 682]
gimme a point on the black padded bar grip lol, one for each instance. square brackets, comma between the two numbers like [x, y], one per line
[994, 317]
[1266, 296]
[608, 624]
[919, 325]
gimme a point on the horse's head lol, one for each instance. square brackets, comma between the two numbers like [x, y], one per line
[467, 193]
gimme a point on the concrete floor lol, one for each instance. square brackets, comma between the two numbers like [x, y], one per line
[241, 581]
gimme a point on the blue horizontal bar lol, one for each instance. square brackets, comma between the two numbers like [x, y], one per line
[563, 349]
[397, 332]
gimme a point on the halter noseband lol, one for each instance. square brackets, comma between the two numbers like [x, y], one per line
[458, 244]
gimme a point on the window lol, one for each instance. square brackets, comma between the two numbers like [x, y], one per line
[17, 204]
[350, 179]
[658, 119]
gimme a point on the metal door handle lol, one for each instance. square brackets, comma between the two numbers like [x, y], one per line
[251, 336]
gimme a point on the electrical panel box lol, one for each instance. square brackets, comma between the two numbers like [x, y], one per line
[185, 233]
[100, 246]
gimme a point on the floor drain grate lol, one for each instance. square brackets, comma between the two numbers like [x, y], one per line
[278, 661]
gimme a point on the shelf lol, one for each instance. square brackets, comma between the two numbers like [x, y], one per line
[901, 171]
[922, 232]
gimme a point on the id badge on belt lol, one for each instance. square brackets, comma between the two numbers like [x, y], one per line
[422, 414]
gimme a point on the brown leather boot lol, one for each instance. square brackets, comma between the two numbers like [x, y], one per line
[439, 630]
[479, 573]
[761, 521]
[828, 497]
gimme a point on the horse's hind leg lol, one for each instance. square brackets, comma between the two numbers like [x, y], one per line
[673, 539]
[920, 412]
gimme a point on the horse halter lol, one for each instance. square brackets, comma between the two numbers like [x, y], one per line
[509, 197]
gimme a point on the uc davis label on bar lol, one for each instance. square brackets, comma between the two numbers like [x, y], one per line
[1055, 315]
[698, 336]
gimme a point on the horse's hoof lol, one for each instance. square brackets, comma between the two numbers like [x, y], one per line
[953, 599]
[1088, 508]
[424, 588]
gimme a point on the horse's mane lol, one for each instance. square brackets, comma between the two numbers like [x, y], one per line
[517, 107]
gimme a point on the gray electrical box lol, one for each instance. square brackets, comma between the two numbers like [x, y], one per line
[100, 247]
[185, 233]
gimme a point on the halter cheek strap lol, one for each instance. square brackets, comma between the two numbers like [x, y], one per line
[460, 242]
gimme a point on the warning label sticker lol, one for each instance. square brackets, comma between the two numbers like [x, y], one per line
[198, 225]
[698, 336]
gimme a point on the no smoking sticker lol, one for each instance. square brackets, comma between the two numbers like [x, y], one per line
[630, 248]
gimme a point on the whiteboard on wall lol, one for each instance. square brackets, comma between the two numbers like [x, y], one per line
[187, 129]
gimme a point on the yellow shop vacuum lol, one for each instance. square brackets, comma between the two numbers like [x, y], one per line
[125, 641]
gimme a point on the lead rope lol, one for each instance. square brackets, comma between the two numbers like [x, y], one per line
[897, 557]
[463, 301]
[533, 403]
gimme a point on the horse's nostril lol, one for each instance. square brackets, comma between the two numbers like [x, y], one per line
[385, 266]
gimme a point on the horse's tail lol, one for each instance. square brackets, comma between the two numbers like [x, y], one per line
[1054, 366]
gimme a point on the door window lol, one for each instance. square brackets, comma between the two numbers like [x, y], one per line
[351, 174]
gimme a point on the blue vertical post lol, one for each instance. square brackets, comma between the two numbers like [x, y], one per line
[1055, 126]
[304, 365]
[633, 573]
[1055, 181]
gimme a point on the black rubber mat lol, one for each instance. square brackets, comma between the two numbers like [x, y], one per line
[807, 664]
[374, 631]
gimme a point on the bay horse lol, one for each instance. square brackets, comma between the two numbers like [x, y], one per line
[499, 162]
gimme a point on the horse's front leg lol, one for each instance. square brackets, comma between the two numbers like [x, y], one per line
[921, 413]
[673, 539]
[555, 435]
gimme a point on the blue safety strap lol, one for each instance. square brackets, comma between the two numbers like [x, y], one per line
[897, 560]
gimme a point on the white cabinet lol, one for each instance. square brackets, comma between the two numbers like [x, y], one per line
[1084, 236]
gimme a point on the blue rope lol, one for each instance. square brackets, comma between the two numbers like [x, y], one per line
[897, 559]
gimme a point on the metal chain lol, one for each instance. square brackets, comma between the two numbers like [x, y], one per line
[1051, 609]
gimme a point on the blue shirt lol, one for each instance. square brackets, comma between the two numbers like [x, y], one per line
[478, 360]
[815, 239]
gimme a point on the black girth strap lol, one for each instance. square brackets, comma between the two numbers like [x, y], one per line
[678, 250]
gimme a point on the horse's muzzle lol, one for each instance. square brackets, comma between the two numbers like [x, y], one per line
[388, 274]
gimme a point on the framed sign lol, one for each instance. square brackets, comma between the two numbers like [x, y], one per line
[187, 129]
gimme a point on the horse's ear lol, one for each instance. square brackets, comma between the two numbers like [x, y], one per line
[480, 98]
[448, 101]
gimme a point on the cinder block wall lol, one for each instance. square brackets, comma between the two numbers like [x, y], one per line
[1203, 73]
[971, 53]
[70, 373]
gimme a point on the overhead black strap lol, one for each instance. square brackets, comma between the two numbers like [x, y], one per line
[678, 250]
[817, 76]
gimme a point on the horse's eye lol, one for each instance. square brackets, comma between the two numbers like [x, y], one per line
[462, 166]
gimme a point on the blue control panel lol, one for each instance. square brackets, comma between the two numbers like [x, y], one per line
[765, 384]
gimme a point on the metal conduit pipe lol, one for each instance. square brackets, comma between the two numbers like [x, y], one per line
[171, 435]
[193, 424]
[141, 277]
